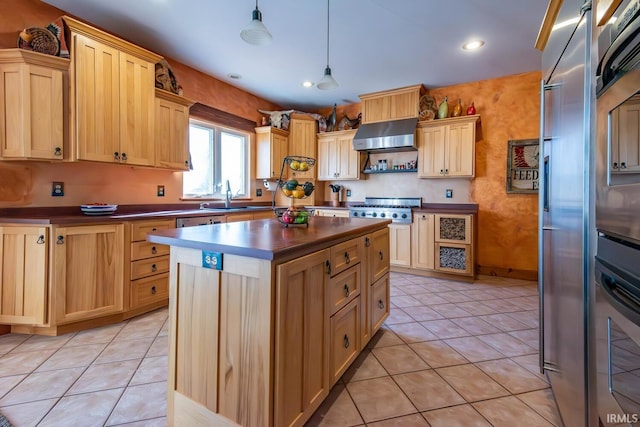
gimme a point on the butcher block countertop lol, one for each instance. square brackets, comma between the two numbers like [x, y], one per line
[267, 238]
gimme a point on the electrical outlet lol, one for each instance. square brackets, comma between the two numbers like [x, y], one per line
[448, 193]
[258, 192]
[160, 191]
[57, 189]
[348, 193]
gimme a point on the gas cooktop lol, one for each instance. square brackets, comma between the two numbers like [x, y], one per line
[397, 209]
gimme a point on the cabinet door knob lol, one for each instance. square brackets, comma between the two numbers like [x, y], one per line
[153, 229]
[153, 290]
[424, 217]
[367, 242]
[153, 268]
[57, 151]
[60, 240]
[124, 157]
[441, 171]
[328, 264]
[186, 162]
[116, 155]
[381, 304]
[446, 171]
[346, 341]
[623, 165]
[347, 259]
[40, 240]
[381, 256]
[346, 290]
[615, 165]
[154, 250]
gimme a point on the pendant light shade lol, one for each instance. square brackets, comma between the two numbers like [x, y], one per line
[327, 82]
[256, 33]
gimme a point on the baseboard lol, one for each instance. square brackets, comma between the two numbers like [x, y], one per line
[431, 273]
[510, 273]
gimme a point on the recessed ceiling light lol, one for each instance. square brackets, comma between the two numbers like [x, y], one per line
[234, 76]
[307, 83]
[473, 45]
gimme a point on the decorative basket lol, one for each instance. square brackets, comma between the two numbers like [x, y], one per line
[293, 216]
[300, 163]
[40, 40]
[299, 192]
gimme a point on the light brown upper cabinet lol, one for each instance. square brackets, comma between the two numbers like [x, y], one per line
[302, 142]
[447, 147]
[271, 148]
[32, 105]
[112, 97]
[337, 160]
[403, 103]
[172, 131]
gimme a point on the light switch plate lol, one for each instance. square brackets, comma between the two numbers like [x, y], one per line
[448, 193]
[258, 192]
[160, 191]
[57, 189]
[348, 193]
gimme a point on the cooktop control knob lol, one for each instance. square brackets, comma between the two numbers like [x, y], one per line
[362, 214]
[404, 216]
[375, 215]
[382, 215]
[395, 215]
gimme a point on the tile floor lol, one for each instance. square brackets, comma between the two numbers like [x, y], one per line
[450, 354]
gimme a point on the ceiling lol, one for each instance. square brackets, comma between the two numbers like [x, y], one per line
[374, 44]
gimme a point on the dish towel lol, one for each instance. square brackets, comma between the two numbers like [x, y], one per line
[4, 422]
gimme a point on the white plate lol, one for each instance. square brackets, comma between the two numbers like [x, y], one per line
[93, 212]
[98, 207]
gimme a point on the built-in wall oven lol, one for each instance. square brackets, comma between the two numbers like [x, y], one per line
[617, 263]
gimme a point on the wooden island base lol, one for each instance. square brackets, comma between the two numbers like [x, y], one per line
[261, 341]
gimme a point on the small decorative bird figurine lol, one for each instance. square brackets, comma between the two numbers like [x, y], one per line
[331, 120]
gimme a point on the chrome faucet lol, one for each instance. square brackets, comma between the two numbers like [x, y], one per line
[227, 199]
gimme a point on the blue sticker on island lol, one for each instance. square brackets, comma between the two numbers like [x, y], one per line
[212, 260]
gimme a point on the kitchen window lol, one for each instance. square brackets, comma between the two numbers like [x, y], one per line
[217, 154]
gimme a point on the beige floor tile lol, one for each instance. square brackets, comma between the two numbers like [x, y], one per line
[456, 416]
[86, 410]
[415, 420]
[422, 313]
[42, 342]
[28, 414]
[438, 354]
[530, 362]
[476, 308]
[398, 359]
[504, 322]
[414, 290]
[471, 382]
[455, 296]
[152, 369]
[10, 341]
[475, 325]
[165, 329]
[22, 363]
[154, 422]
[96, 336]
[427, 390]
[42, 385]
[140, 402]
[134, 332]
[105, 376]
[530, 318]
[160, 346]
[430, 299]
[531, 337]
[445, 328]
[383, 338]
[365, 367]
[508, 412]
[72, 357]
[380, 398]
[478, 295]
[507, 345]
[474, 349]
[512, 376]
[397, 315]
[543, 403]
[450, 310]
[125, 350]
[405, 301]
[338, 410]
[395, 291]
[501, 306]
[8, 383]
[412, 332]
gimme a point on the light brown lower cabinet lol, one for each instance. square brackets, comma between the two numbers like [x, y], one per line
[345, 338]
[400, 244]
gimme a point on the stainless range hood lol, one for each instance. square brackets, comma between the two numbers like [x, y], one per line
[396, 135]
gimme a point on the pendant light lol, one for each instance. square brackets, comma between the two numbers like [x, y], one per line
[327, 82]
[256, 33]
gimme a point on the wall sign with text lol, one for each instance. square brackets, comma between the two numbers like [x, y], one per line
[523, 157]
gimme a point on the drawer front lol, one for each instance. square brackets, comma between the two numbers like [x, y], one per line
[149, 290]
[346, 254]
[139, 229]
[345, 338]
[453, 258]
[344, 287]
[379, 303]
[451, 228]
[142, 250]
[378, 254]
[149, 267]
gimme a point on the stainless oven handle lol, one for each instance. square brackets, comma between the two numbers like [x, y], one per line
[611, 281]
[620, 39]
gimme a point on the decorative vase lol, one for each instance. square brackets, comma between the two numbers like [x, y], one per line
[443, 109]
[457, 109]
[471, 110]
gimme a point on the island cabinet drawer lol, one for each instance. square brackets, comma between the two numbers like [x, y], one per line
[345, 339]
[346, 254]
[149, 290]
[344, 287]
[139, 229]
[149, 267]
[379, 302]
[378, 245]
[142, 250]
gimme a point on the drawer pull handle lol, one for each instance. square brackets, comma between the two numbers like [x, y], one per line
[346, 257]
[153, 290]
[124, 157]
[153, 229]
[116, 155]
[346, 341]
[381, 304]
[381, 256]
[367, 242]
[60, 240]
[154, 250]
[153, 267]
[57, 151]
[40, 240]
[328, 264]
[346, 290]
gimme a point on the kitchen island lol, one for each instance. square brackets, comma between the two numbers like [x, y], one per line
[264, 319]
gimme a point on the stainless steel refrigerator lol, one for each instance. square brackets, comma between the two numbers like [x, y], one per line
[566, 228]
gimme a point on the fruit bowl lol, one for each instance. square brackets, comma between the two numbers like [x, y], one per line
[300, 163]
[293, 216]
[294, 190]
